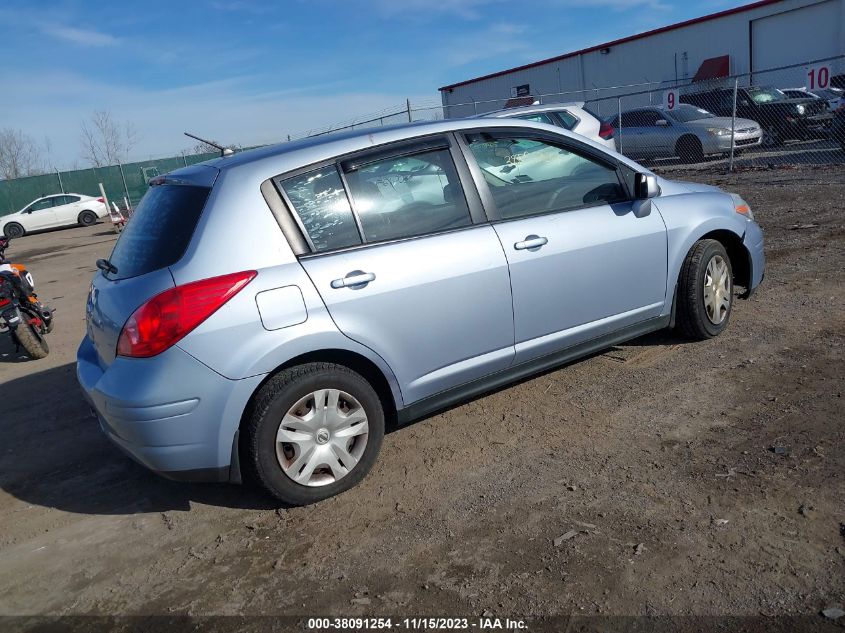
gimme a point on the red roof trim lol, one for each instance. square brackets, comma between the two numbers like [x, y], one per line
[630, 38]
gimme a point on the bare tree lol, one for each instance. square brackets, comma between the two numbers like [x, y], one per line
[106, 141]
[19, 155]
[204, 148]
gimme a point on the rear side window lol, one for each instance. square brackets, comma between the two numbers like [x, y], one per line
[538, 117]
[406, 196]
[160, 229]
[320, 202]
[568, 120]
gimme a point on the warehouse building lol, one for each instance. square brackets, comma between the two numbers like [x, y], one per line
[755, 41]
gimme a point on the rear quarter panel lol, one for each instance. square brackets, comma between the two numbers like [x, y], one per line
[238, 232]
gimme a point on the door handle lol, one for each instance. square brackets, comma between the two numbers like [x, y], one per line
[355, 278]
[531, 243]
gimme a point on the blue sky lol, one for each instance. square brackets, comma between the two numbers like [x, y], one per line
[249, 72]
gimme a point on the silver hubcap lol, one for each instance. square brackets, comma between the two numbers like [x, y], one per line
[717, 290]
[322, 437]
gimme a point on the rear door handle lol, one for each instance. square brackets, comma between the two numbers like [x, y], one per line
[354, 278]
[531, 243]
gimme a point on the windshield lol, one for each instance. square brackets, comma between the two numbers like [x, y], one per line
[765, 95]
[686, 112]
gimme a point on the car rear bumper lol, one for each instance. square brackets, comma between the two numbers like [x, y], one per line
[753, 242]
[170, 413]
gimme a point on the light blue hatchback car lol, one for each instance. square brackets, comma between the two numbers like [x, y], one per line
[266, 313]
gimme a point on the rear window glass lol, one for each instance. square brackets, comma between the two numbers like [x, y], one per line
[159, 230]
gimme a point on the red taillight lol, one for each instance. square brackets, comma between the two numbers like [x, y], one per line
[606, 131]
[4, 301]
[169, 316]
[103, 200]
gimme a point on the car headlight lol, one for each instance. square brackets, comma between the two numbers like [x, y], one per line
[718, 131]
[742, 207]
[800, 109]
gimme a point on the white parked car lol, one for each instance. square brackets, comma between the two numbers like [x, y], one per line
[570, 116]
[64, 209]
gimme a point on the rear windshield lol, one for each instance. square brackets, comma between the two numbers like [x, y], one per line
[159, 230]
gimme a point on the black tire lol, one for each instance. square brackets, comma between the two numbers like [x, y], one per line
[274, 400]
[87, 218]
[14, 230]
[689, 150]
[33, 343]
[691, 317]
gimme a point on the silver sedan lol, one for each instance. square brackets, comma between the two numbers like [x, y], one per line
[688, 132]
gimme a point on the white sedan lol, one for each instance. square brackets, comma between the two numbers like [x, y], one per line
[64, 209]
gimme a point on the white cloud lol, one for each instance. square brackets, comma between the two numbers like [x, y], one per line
[492, 41]
[617, 5]
[228, 110]
[425, 10]
[81, 37]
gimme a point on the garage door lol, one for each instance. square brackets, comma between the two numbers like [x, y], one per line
[800, 35]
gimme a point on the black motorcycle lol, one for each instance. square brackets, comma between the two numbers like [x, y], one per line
[21, 313]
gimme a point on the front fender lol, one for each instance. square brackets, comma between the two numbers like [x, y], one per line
[688, 218]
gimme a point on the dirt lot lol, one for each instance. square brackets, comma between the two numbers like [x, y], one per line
[658, 454]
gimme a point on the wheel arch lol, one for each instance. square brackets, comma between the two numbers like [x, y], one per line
[347, 358]
[737, 252]
[687, 137]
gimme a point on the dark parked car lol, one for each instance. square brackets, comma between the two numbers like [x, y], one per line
[782, 118]
[837, 130]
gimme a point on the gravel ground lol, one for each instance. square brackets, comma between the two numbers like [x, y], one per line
[661, 478]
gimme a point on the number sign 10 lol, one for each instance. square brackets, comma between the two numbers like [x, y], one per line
[818, 77]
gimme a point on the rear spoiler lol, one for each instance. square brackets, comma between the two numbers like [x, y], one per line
[198, 175]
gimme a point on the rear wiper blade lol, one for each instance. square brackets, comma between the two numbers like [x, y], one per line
[106, 266]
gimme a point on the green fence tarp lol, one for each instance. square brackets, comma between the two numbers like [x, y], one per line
[119, 181]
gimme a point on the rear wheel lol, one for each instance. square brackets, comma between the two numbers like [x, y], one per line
[705, 291]
[13, 230]
[313, 431]
[32, 341]
[689, 149]
[87, 218]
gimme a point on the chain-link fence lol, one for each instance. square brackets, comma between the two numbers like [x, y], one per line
[780, 116]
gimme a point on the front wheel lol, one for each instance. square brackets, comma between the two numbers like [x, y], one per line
[689, 150]
[312, 432]
[32, 341]
[705, 291]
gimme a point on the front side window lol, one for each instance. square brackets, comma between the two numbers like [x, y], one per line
[406, 196]
[529, 177]
[320, 201]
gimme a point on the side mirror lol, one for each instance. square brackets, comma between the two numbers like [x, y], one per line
[661, 123]
[645, 186]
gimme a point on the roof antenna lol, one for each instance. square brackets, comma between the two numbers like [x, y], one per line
[224, 151]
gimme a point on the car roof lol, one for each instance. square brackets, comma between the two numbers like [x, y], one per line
[272, 160]
[545, 107]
